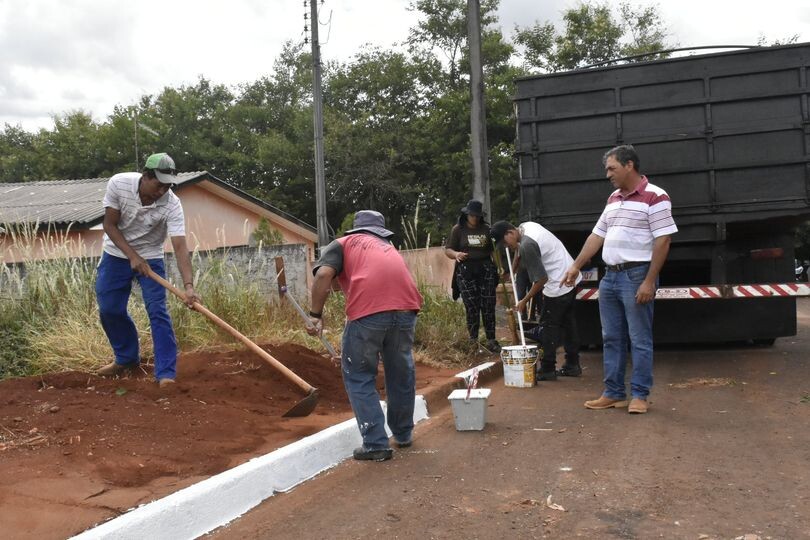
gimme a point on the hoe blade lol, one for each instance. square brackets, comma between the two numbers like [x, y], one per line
[305, 406]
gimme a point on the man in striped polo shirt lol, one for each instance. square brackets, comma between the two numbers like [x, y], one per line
[139, 212]
[634, 233]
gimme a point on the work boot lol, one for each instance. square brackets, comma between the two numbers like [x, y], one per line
[638, 406]
[570, 370]
[493, 346]
[404, 444]
[112, 369]
[605, 402]
[364, 454]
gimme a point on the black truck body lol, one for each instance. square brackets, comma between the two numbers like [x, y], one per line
[726, 135]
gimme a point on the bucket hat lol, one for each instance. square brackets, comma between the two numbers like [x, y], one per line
[370, 221]
[474, 208]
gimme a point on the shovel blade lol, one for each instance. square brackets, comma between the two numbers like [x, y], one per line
[303, 407]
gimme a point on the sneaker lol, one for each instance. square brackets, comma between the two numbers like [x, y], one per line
[493, 346]
[638, 406]
[547, 375]
[567, 370]
[535, 334]
[605, 402]
[163, 383]
[112, 369]
[364, 454]
[403, 444]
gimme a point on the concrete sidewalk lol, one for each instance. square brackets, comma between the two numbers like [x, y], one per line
[719, 460]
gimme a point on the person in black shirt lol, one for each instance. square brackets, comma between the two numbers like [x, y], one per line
[477, 277]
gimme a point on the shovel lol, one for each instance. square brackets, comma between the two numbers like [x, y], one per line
[303, 407]
[300, 310]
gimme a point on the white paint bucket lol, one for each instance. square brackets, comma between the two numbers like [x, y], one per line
[470, 414]
[518, 365]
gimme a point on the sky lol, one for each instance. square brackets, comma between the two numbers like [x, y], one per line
[92, 55]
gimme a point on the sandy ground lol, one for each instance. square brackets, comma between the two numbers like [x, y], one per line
[77, 449]
[724, 452]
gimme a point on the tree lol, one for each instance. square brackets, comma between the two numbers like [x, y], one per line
[265, 235]
[444, 28]
[71, 150]
[593, 34]
[18, 155]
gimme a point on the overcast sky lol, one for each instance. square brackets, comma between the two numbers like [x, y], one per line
[58, 56]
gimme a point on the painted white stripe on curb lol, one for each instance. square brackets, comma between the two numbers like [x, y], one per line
[202, 507]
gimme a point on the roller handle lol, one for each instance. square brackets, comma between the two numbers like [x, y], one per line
[235, 333]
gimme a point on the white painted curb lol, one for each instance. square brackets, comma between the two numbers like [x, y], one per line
[202, 507]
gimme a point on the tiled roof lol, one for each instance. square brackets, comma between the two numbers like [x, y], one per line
[59, 202]
[79, 202]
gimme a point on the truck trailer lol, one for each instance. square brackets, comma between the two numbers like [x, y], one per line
[727, 135]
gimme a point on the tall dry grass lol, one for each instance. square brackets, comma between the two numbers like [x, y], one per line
[49, 316]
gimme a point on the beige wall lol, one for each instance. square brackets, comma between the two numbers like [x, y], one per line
[45, 245]
[234, 223]
[215, 218]
[430, 266]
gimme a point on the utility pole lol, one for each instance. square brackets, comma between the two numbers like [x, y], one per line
[317, 98]
[478, 117]
[137, 165]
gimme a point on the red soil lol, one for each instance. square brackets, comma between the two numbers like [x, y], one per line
[76, 449]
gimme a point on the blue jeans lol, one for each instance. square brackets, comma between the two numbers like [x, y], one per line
[624, 322]
[113, 288]
[386, 336]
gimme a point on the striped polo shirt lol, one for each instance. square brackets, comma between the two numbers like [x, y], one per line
[144, 227]
[630, 223]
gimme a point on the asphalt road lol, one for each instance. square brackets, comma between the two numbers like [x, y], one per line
[723, 452]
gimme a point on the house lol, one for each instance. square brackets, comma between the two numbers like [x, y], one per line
[69, 213]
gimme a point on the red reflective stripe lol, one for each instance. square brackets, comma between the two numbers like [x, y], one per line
[588, 293]
[742, 291]
[761, 289]
[710, 292]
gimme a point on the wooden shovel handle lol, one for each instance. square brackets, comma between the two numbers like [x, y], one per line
[235, 333]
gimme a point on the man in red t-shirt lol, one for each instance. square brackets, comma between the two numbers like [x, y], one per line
[381, 306]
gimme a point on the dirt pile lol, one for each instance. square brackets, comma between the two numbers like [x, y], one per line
[76, 449]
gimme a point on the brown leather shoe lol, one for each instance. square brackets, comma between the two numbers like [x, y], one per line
[112, 369]
[605, 402]
[164, 383]
[638, 406]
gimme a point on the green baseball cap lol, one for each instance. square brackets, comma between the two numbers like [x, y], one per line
[164, 168]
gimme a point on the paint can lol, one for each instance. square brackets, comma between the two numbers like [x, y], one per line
[469, 408]
[518, 365]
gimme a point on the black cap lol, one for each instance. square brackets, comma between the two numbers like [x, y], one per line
[498, 230]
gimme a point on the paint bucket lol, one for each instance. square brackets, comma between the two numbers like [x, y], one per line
[470, 413]
[518, 365]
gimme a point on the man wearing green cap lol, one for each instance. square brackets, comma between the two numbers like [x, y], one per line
[140, 210]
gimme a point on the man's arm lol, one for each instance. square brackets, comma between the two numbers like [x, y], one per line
[537, 286]
[646, 291]
[183, 259]
[111, 219]
[592, 245]
[321, 286]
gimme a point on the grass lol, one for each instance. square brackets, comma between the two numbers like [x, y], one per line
[49, 317]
